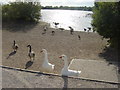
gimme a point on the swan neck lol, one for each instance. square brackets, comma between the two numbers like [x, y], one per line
[65, 63]
[46, 56]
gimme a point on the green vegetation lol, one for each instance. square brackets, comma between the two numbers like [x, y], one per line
[106, 21]
[21, 11]
[68, 8]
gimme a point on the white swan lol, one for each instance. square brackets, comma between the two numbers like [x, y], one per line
[66, 71]
[46, 65]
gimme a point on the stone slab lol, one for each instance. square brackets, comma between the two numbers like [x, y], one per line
[95, 69]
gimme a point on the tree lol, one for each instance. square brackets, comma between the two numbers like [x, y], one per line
[21, 11]
[106, 20]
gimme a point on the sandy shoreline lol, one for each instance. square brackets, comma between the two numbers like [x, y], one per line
[62, 42]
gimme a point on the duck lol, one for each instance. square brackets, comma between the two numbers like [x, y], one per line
[79, 37]
[46, 65]
[65, 70]
[56, 24]
[31, 53]
[15, 46]
[71, 30]
[53, 32]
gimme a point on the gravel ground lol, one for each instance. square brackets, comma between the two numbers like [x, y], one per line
[18, 79]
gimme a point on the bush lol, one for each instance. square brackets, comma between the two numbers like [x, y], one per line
[21, 11]
[106, 20]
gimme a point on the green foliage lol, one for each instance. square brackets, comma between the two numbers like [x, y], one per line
[68, 8]
[19, 11]
[106, 20]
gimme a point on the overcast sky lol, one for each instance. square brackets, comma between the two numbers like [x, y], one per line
[60, 2]
[67, 2]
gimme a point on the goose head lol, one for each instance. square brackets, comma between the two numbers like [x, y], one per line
[44, 51]
[64, 57]
[14, 41]
[29, 45]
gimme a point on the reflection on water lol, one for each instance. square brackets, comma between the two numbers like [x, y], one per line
[75, 18]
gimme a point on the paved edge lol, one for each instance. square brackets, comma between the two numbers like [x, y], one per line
[51, 74]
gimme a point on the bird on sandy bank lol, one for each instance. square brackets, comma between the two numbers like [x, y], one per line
[53, 32]
[56, 24]
[79, 37]
[71, 30]
[85, 29]
[15, 46]
[31, 53]
[44, 30]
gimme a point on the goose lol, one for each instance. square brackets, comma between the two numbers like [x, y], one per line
[55, 23]
[71, 30]
[46, 65]
[79, 37]
[89, 28]
[31, 53]
[66, 71]
[45, 28]
[85, 29]
[15, 46]
[53, 32]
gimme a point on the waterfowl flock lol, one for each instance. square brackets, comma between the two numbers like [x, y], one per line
[45, 28]
[46, 64]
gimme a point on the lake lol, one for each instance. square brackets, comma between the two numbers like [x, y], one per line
[74, 18]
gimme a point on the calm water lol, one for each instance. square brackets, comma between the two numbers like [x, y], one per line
[75, 18]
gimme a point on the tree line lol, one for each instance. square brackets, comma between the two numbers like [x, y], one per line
[21, 11]
[106, 21]
[68, 8]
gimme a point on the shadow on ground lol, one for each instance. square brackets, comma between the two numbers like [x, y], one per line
[11, 54]
[28, 64]
[18, 26]
[111, 56]
[65, 78]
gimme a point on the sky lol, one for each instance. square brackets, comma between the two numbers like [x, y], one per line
[60, 2]
[67, 2]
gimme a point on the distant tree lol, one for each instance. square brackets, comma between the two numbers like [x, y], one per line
[106, 20]
[68, 8]
[24, 11]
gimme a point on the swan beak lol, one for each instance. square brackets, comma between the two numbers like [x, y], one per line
[60, 56]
